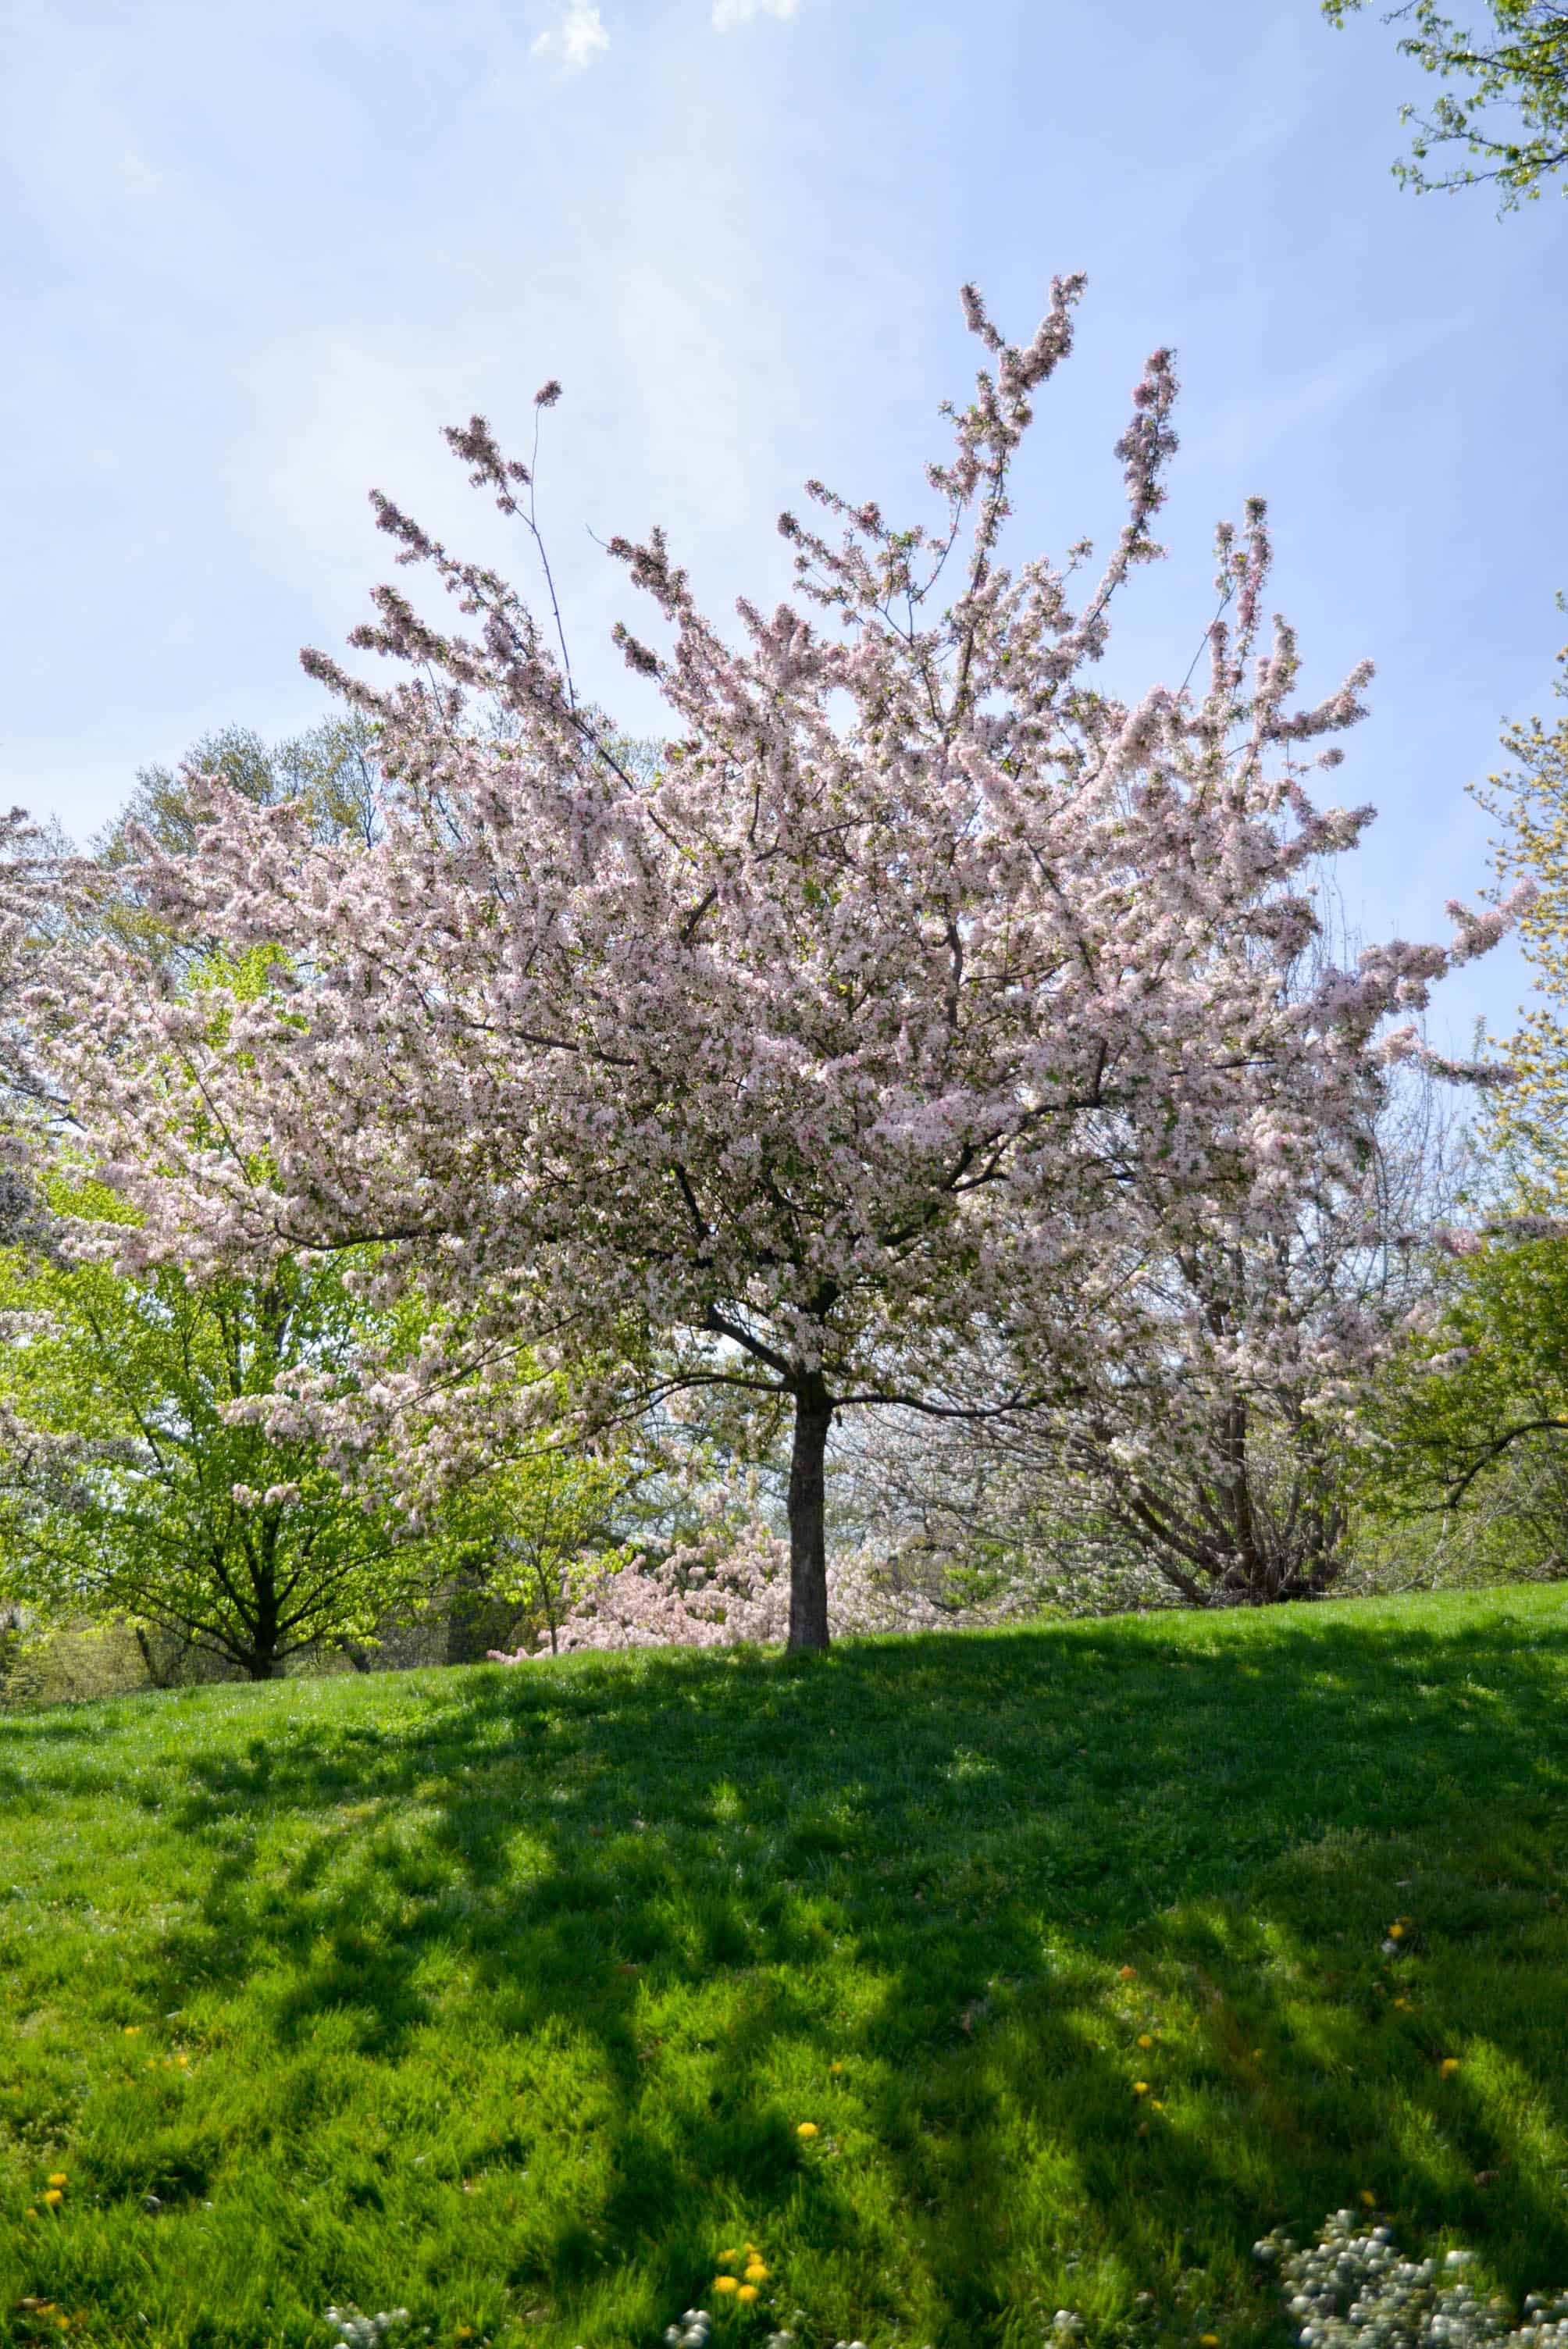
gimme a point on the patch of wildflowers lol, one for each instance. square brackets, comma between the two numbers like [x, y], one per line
[1354, 2290]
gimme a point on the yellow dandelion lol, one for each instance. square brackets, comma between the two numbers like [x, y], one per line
[1368, 2198]
[1396, 1932]
[1141, 2087]
[728, 2255]
[1155, 2105]
[1145, 2039]
[53, 2197]
[806, 2129]
[152, 2063]
[59, 2178]
[725, 2283]
[30, 2213]
[747, 2292]
[183, 2062]
[1209, 2341]
[133, 2030]
[1257, 2054]
[834, 2070]
[755, 2272]
[465, 2333]
[1451, 2064]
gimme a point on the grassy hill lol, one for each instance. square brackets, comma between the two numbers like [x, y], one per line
[506, 1994]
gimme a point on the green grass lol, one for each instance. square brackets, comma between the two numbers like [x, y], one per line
[501, 1993]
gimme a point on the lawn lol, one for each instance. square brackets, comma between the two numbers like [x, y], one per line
[514, 1996]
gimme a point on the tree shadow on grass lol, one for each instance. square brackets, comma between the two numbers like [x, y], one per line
[1068, 1945]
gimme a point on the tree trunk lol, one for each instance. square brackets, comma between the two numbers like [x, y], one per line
[160, 1680]
[807, 1497]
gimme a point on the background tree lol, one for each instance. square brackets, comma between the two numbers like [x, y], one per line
[1219, 1469]
[329, 774]
[923, 987]
[1518, 67]
[29, 1109]
[1528, 1128]
[1473, 1415]
[535, 1538]
[131, 1491]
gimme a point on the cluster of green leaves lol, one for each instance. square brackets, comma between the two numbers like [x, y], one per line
[133, 1493]
[1488, 1380]
[1519, 67]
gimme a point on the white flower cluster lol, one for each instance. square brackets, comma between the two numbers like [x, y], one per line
[696, 2328]
[1355, 2291]
[357, 2332]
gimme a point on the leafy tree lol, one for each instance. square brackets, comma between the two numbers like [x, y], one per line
[1477, 1406]
[139, 1488]
[329, 774]
[538, 1534]
[923, 987]
[1472, 1413]
[1529, 1123]
[1520, 64]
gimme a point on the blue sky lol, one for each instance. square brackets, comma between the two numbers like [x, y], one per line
[257, 257]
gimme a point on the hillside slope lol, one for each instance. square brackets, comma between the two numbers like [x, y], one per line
[966, 1978]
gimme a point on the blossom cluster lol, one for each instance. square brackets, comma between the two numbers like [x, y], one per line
[357, 2332]
[728, 1588]
[1354, 2290]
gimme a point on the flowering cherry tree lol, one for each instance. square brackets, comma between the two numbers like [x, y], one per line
[920, 984]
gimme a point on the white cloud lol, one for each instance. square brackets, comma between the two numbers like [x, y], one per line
[577, 40]
[728, 14]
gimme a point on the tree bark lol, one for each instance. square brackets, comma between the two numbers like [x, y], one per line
[159, 1678]
[808, 1497]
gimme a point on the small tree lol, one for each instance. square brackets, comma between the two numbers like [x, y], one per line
[1474, 1413]
[134, 1487]
[922, 985]
[539, 1534]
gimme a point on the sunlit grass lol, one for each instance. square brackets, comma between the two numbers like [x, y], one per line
[952, 1982]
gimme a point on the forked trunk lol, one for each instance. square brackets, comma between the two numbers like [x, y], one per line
[808, 1497]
